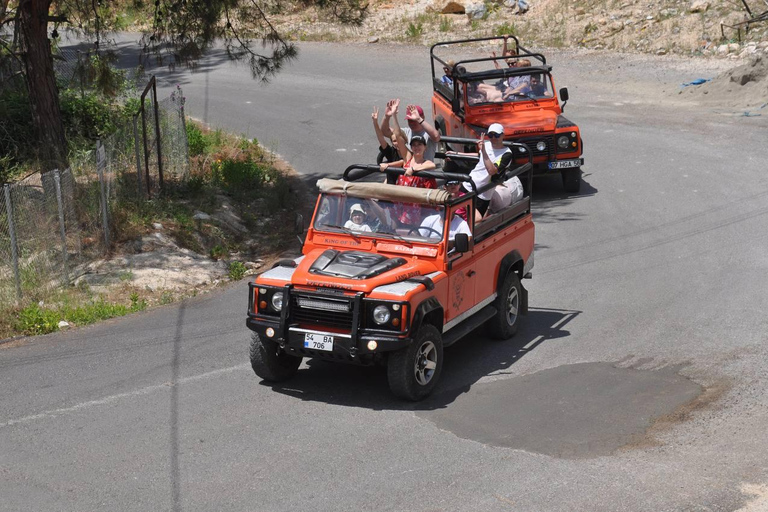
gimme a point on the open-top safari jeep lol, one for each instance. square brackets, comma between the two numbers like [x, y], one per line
[471, 93]
[395, 292]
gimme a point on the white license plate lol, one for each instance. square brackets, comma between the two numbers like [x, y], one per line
[318, 342]
[564, 164]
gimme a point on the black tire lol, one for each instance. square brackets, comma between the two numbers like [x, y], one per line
[571, 180]
[408, 373]
[508, 302]
[270, 362]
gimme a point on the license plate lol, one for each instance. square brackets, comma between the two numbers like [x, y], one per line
[565, 164]
[318, 342]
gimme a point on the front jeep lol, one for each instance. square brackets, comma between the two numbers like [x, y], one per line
[359, 293]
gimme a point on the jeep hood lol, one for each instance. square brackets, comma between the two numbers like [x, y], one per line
[524, 122]
[355, 270]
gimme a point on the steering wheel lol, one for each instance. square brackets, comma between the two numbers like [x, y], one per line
[438, 233]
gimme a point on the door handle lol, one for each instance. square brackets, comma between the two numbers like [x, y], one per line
[470, 273]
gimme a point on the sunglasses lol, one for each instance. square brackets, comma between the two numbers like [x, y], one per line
[493, 135]
[510, 63]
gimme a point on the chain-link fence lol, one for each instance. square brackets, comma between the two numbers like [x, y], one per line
[52, 223]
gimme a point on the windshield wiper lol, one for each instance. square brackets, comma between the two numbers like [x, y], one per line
[342, 229]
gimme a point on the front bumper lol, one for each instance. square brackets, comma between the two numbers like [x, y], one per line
[350, 346]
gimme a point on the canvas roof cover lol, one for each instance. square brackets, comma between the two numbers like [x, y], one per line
[382, 191]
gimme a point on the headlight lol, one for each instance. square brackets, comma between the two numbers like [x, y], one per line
[277, 301]
[563, 141]
[381, 314]
[541, 145]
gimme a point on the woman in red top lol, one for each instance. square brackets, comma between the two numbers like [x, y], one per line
[414, 163]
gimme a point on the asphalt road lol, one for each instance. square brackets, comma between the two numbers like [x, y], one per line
[638, 381]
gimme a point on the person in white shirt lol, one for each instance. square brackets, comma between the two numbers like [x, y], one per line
[493, 155]
[432, 227]
[356, 220]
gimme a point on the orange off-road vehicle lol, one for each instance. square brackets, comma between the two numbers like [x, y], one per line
[391, 275]
[469, 94]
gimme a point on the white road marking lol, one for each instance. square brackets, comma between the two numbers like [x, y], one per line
[114, 398]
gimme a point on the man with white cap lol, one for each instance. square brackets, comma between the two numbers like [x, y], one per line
[493, 155]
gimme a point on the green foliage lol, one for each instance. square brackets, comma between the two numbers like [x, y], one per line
[589, 28]
[446, 25]
[166, 298]
[34, 319]
[236, 270]
[88, 116]
[474, 25]
[218, 252]
[414, 30]
[505, 29]
[198, 143]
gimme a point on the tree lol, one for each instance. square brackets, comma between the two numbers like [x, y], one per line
[182, 31]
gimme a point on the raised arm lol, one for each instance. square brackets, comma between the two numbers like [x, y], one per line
[490, 167]
[412, 114]
[379, 135]
[390, 112]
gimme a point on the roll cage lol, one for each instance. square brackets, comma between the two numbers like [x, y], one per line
[460, 76]
[495, 222]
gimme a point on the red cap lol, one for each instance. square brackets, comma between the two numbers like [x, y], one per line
[420, 111]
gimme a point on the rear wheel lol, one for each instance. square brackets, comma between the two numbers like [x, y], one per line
[504, 325]
[571, 179]
[413, 371]
[270, 362]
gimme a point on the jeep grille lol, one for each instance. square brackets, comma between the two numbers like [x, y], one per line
[321, 311]
[548, 152]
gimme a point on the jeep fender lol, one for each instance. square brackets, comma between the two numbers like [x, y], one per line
[513, 262]
[429, 311]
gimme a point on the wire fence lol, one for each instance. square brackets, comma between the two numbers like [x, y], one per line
[52, 223]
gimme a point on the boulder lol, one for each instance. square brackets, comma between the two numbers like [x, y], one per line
[699, 6]
[453, 8]
[476, 11]
[373, 39]
[733, 47]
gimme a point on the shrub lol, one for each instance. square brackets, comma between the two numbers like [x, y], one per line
[414, 30]
[218, 252]
[236, 270]
[198, 142]
[33, 320]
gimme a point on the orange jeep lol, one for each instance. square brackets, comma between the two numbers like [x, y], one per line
[391, 275]
[470, 94]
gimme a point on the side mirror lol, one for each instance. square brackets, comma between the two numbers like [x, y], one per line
[299, 224]
[563, 97]
[461, 242]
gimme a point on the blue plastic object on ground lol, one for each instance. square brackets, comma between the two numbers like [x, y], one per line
[698, 81]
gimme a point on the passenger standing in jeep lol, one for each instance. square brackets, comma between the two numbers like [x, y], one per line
[417, 125]
[492, 156]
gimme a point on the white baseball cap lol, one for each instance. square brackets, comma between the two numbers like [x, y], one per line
[356, 208]
[496, 128]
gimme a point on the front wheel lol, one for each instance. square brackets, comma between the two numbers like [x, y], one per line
[571, 179]
[413, 371]
[504, 325]
[270, 362]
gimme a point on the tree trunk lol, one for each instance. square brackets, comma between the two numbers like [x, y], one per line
[41, 82]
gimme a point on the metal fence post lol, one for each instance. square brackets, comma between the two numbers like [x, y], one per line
[101, 164]
[57, 181]
[157, 133]
[12, 230]
[138, 155]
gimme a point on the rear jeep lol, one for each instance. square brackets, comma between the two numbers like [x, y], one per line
[534, 118]
[396, 294]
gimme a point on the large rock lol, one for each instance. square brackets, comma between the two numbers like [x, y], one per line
[699, 6]
[476, 11]
[453, 8]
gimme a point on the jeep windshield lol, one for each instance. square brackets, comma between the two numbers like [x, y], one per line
[381, 219]
[523, 87]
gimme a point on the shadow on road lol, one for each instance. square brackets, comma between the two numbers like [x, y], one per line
[466, 362]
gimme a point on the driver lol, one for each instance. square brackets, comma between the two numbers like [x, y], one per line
[432, 226]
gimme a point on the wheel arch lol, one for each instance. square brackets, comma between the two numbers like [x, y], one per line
[429, 311]
[513, 262]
